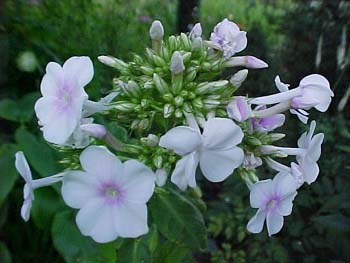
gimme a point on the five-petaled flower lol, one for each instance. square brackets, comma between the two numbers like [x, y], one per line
[274, 200]
[111, 195]
[215, 150]
[228, 38]
[60, 109]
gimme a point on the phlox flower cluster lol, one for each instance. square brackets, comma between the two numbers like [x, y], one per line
[185, 122]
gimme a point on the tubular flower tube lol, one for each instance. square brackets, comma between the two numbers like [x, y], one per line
[313, 92]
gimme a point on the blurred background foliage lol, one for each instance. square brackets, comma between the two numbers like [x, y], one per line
[295, 37]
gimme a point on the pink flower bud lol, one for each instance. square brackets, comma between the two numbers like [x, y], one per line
[94, 130]
[239, 109]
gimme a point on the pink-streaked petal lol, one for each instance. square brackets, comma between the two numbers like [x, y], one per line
[217, 165]
[256, 223]
[78, 70]
[130, 220]
[78, 188]
[23, 167]
[274, 223]
[221, 133]
[137, 182]
[261, 193]
[96, 219]
[100, 162]
[182, 140]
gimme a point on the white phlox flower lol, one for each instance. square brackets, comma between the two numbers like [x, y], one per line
[313, 92]
[274, 200]
[111, 196]
[59, 110]
[215, 150]
[30, 184]
[228, 38]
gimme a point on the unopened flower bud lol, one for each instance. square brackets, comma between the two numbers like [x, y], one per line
[253, 62]
[151, 140]
[168, 110]
[245, 61]
[158, 161]
[196, 31]
[156, 31]
[276, 136]
[238, 78]
[113, 62]
[239, 109]
[176, 63]
[161, 176]
[185, 41]
[178, 113]
[94, 130]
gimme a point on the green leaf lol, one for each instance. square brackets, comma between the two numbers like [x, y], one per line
[8, 174]
[9, 110]
[134, 251]
[5, 255]
[22, 110]
[170, 252]
[47, 203]
[39, 154]
[26, 106]
[74, 247]
[178, 219]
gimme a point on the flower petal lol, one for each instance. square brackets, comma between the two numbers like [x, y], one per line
[25, 209]
[96, 219]
[217, 165]
[310, 171]
[78, 188]
[100, 162]
[274, 223]
[52, 80]
[241, 41]
[23, 167]
[221, 133]
[285, 206]
[282, 87]
[130, 220]
[78, 70]
[256, 223]
[137, 181]
[184, 173]
[284, 184]
[260, 193]
[314, 149]
[182, 140]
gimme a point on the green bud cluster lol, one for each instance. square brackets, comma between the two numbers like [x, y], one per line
[155, 92]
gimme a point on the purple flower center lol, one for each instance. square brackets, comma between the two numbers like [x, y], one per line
[272, 204]
[111, 193]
